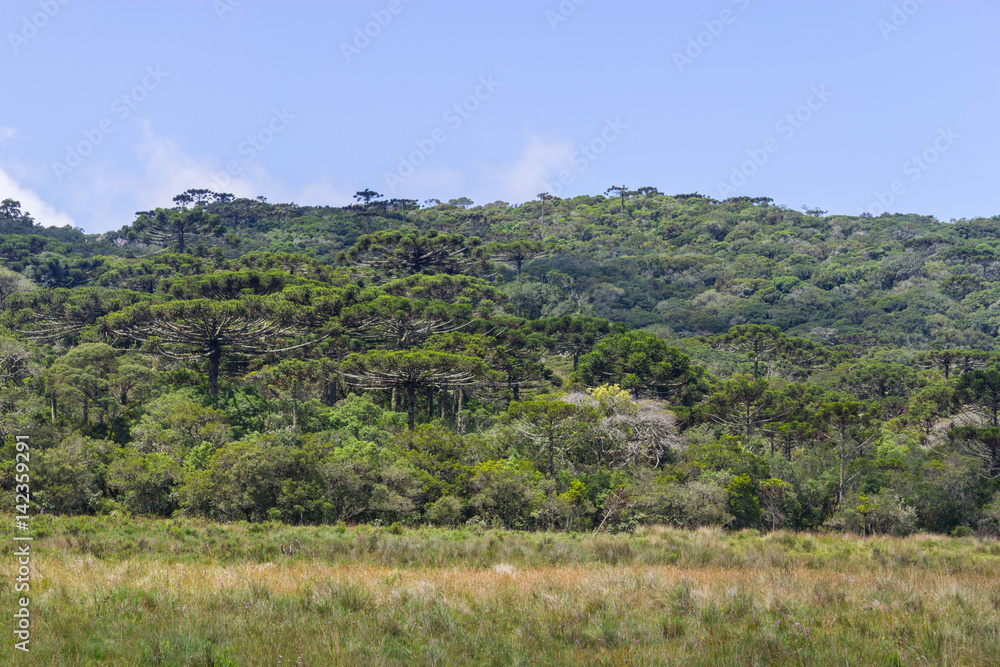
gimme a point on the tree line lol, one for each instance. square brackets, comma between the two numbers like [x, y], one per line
[411, 378]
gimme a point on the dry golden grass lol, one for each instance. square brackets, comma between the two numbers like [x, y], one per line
[672, 597]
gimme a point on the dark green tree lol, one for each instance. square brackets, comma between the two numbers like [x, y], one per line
[401, 253]
[84, 373]
[292, 378]
[574, 337]
[852, 427]
[174, 228]
[516, 252]
[448, 288]
[547, 420]
[622, 191]
[757, 342]
[980, 443]
[642, 363]
[212, 330]
[745, 405]
[979, 392]
[60, 315]
[401, 323]
[409, 372]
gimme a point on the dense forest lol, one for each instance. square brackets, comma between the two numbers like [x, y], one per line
[590, 363]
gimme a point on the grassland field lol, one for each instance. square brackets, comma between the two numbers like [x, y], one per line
[134, 591]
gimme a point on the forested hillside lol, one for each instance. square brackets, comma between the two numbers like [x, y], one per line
[588, 363]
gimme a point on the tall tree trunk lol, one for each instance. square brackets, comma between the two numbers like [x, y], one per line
[411, 400]
[329, 393]
[552, 446]
[214, 361]
[395, 399]
[843, 456]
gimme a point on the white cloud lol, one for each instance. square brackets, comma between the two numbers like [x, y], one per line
[169, 171]
[540, 162]
[108, 196]
[7, 133]
[43, 212]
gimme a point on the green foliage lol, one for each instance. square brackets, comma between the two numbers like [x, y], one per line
[809, 360]
[503, 491]
[177, 422]
[146, 482]
[642, 363]
[401, 253]
[176, 228]
[445, 511]
[70, 478]
[741, 493]
[692, 505]
[548, 421]
[83, 374]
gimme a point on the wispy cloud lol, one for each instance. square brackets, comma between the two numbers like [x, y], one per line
[523, 179]
[7, 133]
[168, 171]
[110, 196]
[43, 212]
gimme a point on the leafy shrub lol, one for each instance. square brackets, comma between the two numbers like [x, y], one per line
[989, 518]
[445, 511]
[743, 503]
[693, 505]
[890, 516]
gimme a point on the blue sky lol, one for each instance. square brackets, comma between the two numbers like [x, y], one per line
[848, 106]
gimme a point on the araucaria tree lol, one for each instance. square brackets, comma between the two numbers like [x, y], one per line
[60, 315]
[517, 252]
[642, 363]
[212, 330]
[410, 371]
[173, 228]
[402, 323]
[400, 253]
